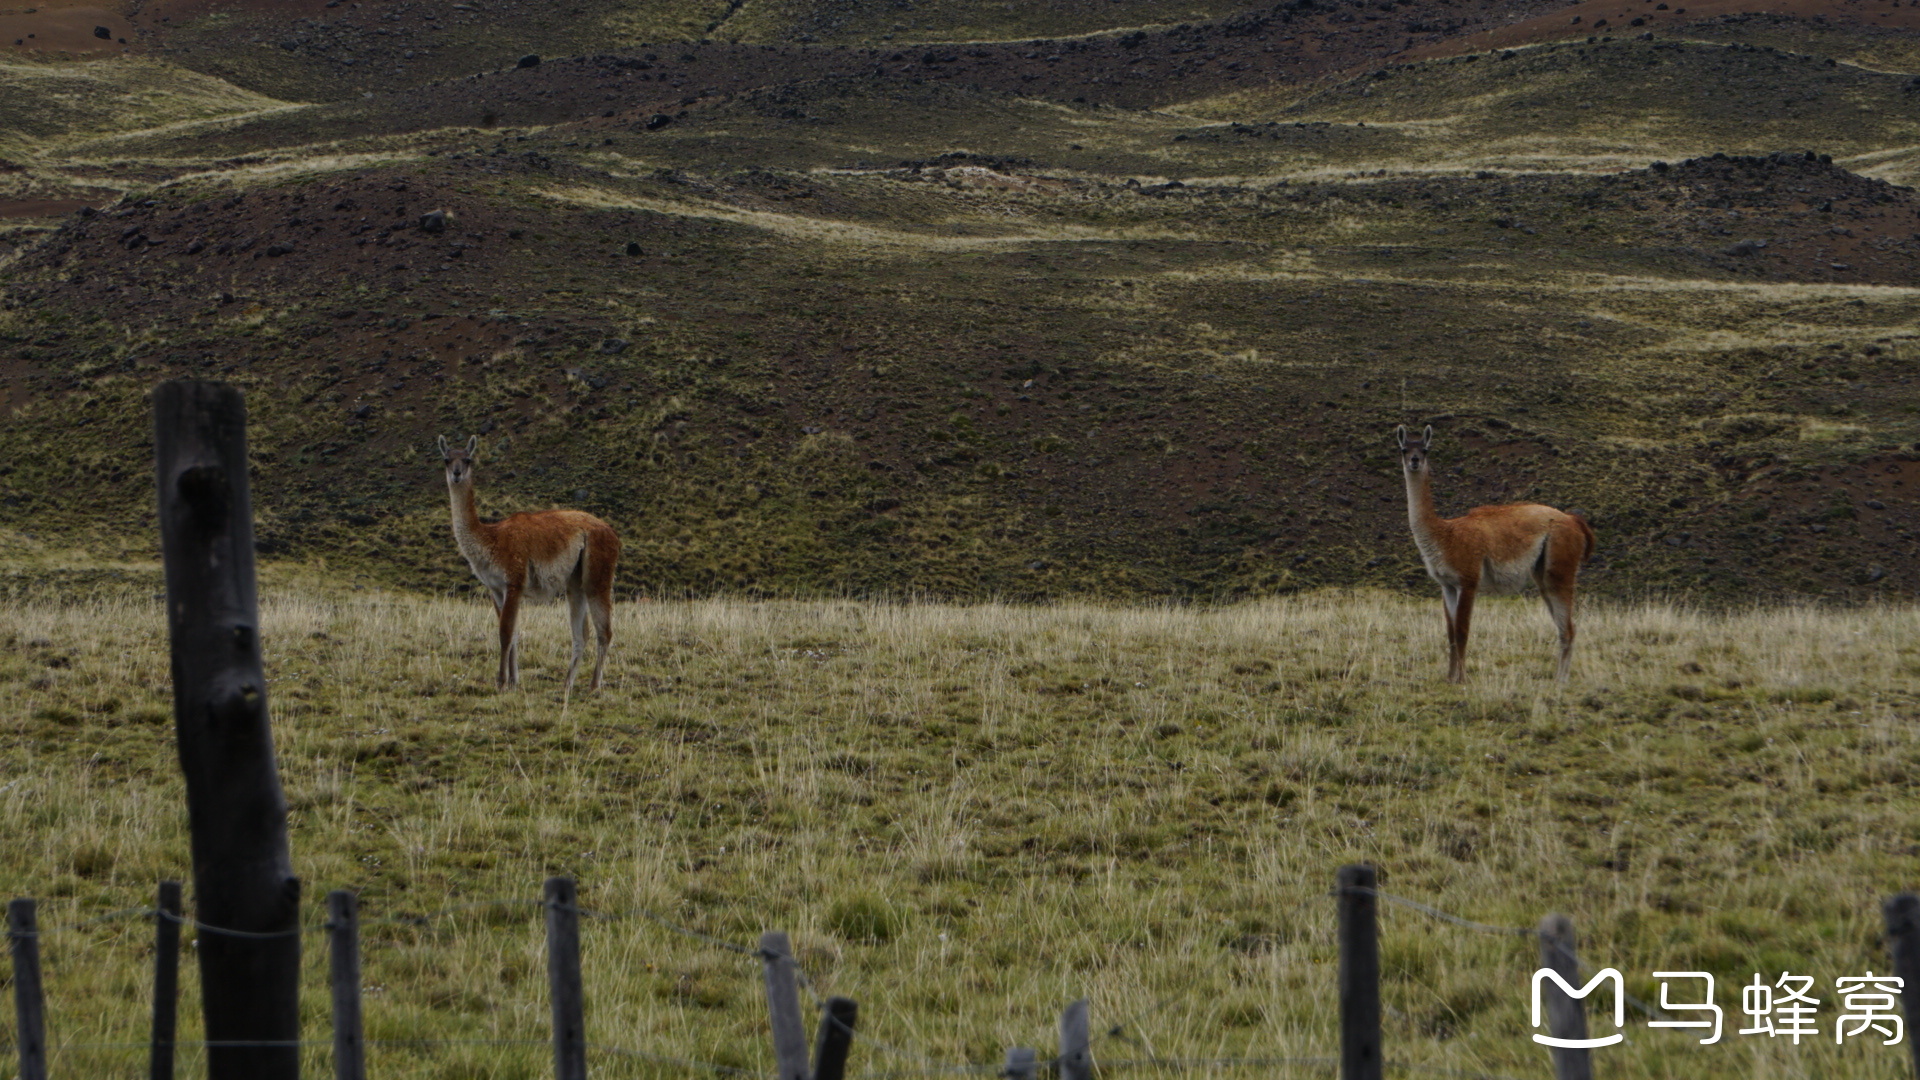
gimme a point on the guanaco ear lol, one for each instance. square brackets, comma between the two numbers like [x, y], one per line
[1399, 436]
[444, 452]
[1426, 442]
[473, 443]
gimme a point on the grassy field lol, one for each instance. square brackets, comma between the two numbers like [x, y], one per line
[968, 816]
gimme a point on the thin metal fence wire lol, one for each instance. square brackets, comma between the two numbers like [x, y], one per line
[1443, 1070]
[256, 935]
[1426, 909]
[1186, 1065]
[123, 913]
[1523, 931]
[820, 1006]
[684, 932]
[684, 1063]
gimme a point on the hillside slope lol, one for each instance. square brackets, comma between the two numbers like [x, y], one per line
[986, 319]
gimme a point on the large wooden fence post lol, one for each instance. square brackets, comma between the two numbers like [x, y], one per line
[1903, 941]
[29, 1007]
[563, 979]
[166, 981]
[343, 971]
[1566, 1018]
[1360, 1057]
[783, 1007]
[242, 871]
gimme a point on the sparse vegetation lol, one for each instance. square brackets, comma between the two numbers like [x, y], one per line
[969, 815]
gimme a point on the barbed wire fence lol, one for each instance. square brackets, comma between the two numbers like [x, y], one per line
[1355, 895]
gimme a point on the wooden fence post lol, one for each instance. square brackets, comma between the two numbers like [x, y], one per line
[836, 1039]
[29, 1007]
[1566, 1018]
[242, 872]
[166, 981]
[783, 1006]
[343, 955]
[1076, 1054]
[1903, 942]
[1359, 973]
[563, 978]
[1022, 1064]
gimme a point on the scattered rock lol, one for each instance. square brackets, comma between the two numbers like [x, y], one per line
[1746, 247]
[658, 121]
[103, 33]
[613, 346]
[633, 248]
[529, 60]
[433, 222]
[279, 248]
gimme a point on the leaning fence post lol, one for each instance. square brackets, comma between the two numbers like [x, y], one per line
[1903, 941]
[1022, 1064]
[563, 978]
[836, 1039]
[1566, 1019]
[166, 981]
[242, 872]
[1076, 1055]
[1359, 973]
[783, 1006]
[30, 1018]
[343, 970]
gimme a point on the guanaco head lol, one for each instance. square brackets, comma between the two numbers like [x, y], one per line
[1413, 452]
[459, 462]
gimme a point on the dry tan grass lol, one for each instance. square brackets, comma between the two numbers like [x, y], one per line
[968, 816]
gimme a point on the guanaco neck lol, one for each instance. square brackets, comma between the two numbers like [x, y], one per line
[1420, 512]
[468, 531]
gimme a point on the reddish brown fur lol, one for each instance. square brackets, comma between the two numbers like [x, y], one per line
[536, 556]
[1494, 549]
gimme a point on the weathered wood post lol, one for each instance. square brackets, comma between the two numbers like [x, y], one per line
[343, 970]
[1359, 973]
[29, 1008]
[166, 981]
[1903, 941]
[563, 979]
[783, 1007]
[836, 1039]
[1566, 1019]
[242, 872]
[1076, 1053]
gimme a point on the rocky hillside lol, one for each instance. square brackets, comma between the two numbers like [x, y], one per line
[811, 304]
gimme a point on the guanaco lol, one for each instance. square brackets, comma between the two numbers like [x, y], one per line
[535, 556]
[1495, 550]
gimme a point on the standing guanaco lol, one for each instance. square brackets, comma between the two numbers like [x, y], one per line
[535, 556]
[1495, 550]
